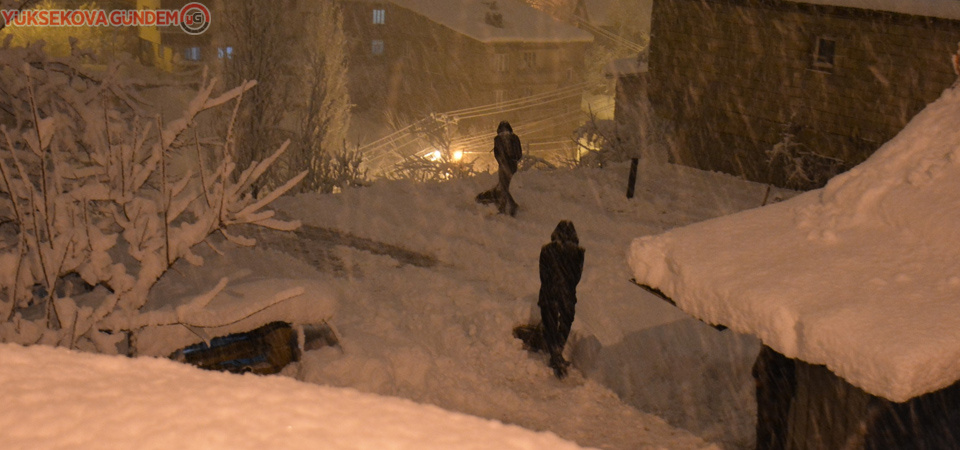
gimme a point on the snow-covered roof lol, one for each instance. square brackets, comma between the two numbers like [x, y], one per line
[521, 23]
[944, 9]
[862, 275]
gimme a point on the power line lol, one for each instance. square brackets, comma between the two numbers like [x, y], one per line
[379, 149]
[614, 37]
[485, 110]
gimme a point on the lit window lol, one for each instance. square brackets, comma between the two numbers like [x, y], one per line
[824, 54]
[376, 47]
[191, 53]
[500, 62]
[380, 16]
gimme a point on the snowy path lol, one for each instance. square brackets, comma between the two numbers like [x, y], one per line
[523, 393]
[440, 333]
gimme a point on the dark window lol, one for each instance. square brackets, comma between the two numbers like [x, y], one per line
[376, 47]
[824, 54]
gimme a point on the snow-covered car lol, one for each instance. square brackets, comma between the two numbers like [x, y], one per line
[265, 350]
[244, 310]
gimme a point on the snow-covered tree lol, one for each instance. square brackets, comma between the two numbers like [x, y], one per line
[324, 113]
[299, 62]
[261, 37]
[88, 207]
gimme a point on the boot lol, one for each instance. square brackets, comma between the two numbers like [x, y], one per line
[559, 366]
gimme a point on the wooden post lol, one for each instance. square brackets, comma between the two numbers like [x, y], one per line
[633, 176]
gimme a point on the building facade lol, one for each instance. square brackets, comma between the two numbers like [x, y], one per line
[170, 48]
[749, 83]
[475, 62]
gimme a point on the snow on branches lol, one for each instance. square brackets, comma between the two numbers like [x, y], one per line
[91, 214]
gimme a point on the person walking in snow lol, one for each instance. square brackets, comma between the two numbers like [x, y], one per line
[508, 152]
[561, 265]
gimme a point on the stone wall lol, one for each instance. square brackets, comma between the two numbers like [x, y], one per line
[736, 76]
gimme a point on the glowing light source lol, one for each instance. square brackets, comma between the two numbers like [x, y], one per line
[433, 156]
[457, 155]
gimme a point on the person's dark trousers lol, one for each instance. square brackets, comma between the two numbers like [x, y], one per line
[553, 337]
[566, 321]
[505, 201]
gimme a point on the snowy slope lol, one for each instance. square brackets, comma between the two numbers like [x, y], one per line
[442, 334]
[862, 276]
[428, 286]
[112, 402]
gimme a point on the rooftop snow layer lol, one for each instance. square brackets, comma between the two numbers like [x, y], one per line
[521, 23]
[944, 9]
[862, 275]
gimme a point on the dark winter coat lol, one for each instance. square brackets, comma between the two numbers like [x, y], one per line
[507, 148]
[561, 265]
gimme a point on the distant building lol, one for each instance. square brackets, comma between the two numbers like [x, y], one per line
[485, 60]
[606, 19]
[827, 81]
[170, 48]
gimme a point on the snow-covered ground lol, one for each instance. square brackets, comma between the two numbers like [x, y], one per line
[430, 284]
[442, 334]
[58, 399]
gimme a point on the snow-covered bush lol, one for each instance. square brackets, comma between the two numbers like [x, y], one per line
[797, 167]
[423, 169]
[91, 214]
[598, 144]
[330, 171]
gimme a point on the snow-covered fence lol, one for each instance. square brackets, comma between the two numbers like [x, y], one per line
[90, 215]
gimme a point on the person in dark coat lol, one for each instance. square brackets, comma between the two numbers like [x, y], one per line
[508, 151]
[561, 265]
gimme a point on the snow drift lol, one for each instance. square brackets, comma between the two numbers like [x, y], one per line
[113, 402]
